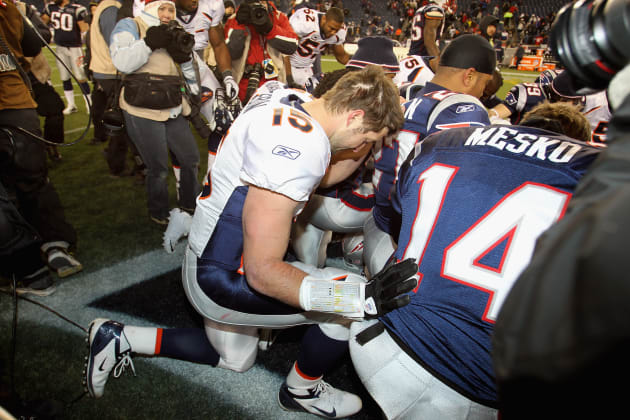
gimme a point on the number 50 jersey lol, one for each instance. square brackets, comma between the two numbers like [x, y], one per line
[473, 202]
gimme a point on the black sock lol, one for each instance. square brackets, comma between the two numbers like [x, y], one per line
[319, 353]
[190, 344]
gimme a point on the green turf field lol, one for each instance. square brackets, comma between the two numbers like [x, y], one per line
[110, 214]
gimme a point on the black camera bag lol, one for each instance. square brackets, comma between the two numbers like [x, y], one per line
[152, 91]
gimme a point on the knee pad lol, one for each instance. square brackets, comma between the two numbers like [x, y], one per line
[67, 84]
[237, 346]
[340, 332]
[239, 365]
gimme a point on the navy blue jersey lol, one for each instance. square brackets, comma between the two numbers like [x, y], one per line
[473, 202]
[424, 13]
[64, 22]
[523, 97]
[433, 109]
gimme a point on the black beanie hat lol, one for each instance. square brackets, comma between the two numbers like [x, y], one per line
[375, 50]
[467, 51]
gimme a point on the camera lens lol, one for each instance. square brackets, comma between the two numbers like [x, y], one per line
[590, 38]
[258, 14]
[113, 121]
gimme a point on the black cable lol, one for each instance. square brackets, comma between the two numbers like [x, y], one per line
[14, 394]
[68, 320]
[15, 397]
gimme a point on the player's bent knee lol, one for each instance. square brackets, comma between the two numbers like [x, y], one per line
[340, 332]
[239, 365]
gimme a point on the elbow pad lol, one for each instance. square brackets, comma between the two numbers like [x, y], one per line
[236, 43]
[285, 45]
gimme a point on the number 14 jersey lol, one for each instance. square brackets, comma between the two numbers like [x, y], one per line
[473, 202]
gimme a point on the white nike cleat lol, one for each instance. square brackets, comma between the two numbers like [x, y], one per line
[322, 400]
[179, 223]
[70, 109]
[108, 350]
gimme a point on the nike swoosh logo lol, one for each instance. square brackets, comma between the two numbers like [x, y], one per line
[332, 413]
[100, 368]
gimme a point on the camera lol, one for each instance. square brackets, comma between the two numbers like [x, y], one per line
[253, 74]
[181, 38]
[113, 121]
[591, 38]
[258, 14]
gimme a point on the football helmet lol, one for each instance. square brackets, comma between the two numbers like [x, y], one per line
[352, 245]
[547, 76]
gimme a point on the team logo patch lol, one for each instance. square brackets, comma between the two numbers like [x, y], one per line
[286, 152]
[510, 99]
[464, 108]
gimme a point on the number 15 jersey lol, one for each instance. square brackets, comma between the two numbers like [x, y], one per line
[473, 202]
[273, 144]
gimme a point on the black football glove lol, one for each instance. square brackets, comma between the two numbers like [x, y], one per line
[243, 14]
[157, 37]
[178, 55]
[387, 290]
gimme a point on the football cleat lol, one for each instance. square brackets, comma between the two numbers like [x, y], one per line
[178, 226]
[70, 109]
[322, 400]
[108, 350]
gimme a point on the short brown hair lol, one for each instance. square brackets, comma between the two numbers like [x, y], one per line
[371, 91]
[561, 117]
[329, 80]
[335, 14]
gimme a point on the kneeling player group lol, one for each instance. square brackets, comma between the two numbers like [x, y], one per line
[445, 199]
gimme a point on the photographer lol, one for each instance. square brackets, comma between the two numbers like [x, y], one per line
[23, 170]
[155, 55]
[257, 37]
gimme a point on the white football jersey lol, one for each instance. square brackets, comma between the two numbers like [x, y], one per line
[597, 112]
[305, 23]
[413, 69]
[273, 144]
[209, 13]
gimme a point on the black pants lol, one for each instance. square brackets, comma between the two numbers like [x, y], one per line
[19, 242]
[116, 151]
[50, 106]
[24, 174]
